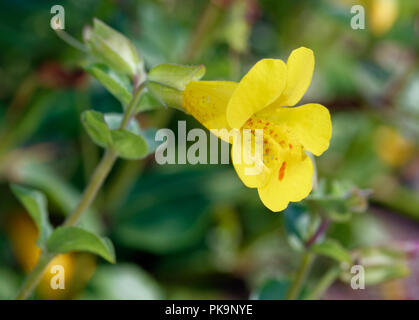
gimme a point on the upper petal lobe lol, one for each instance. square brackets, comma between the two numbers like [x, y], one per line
[261, 86]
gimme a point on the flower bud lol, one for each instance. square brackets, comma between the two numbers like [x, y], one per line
[113, 49]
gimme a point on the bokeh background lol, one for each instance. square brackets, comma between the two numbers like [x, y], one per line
[192, 232]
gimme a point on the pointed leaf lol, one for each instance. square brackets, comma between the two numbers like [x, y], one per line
[148, 102]
[175, 76]
[66, 239]
[129, 145]
[167, 81]
[96, 127]
[114, 121]
[332, 249]
[149, 136]
[114, 49]
[168, 97]
[36, 204]
[117, 84]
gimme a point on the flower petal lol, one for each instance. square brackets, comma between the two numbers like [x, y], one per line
[300, 67]
[207, 101]
[292, 181]
[261, 86]
[310, 123]
[249, 159]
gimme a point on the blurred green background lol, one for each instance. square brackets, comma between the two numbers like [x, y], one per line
[192, 232]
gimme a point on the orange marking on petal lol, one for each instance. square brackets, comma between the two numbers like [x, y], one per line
[282, 171]
[290, 145]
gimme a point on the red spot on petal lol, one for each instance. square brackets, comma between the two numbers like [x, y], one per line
[290, 145]
[282, 171]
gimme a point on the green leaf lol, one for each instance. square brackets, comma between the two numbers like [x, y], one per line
[167, 81]
[168, 213]
[60, 193]
[273, 289]
[128, 144]
[149, 136]
[332, 249]
[378, 265]
[175, 76]
[297, 225]
[379, 274]
[9, 283]
[65, 239]
[168, 97]
[95, 125]
[114, 49]
[148, 102]
[114, 121]
[110, 283]
[117, 84]
[338, 199]
[36, 205]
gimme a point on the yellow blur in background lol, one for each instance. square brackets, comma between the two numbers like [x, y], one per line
[78, 267]
[391, 147]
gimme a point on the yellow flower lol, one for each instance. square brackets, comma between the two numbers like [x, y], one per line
[260, 101]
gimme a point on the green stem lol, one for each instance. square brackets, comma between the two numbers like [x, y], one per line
[129, 112]
[96, 182]
[324, 283]
[205, 24]
[301, 275]
[103, 168]
[34, 277]
[86, 200]
[70, 40]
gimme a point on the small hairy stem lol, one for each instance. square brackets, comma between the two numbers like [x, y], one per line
[129, 112]
[86, 200]
[301, 275]
[70, 40]
[307, 260]
[324, 283]
[324, 224]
